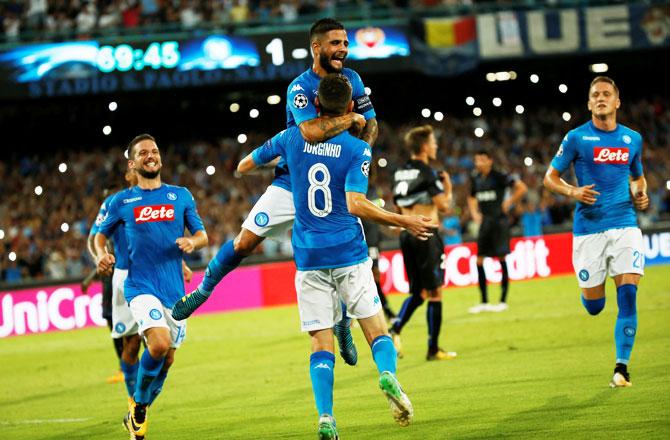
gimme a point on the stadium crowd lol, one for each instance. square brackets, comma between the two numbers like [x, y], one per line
[47, 232]
[33, 19]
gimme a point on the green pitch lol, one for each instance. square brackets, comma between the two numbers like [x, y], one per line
[539, 370]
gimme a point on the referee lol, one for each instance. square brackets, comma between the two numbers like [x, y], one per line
[489, 209]
[420, 190]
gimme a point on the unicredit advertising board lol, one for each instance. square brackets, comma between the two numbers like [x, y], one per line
[65, 307]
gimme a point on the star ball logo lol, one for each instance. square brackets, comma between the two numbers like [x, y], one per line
[300, 101]
[365, 168]
[261, 219]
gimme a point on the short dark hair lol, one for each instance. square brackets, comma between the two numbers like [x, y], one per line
[483, 152]
[334, 94]
[604, 79]
[136, 140]
[417, 137]
[324, 25]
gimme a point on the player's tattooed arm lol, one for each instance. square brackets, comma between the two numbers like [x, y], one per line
[370, 131]
[248, 166]
[320, 129]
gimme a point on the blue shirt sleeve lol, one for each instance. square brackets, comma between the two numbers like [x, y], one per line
[112, 218]
[359, 170]
[192, 218]
[566, 154]
[102, 213]
[362, 102]
[299, 102]
[636, 163]
[271, 149]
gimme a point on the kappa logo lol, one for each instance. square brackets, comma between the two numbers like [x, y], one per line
[590, 138]
[154, 213]
[300, 101]
[367, 152]
[323, 365]
[365, 168]
[131, 200]
[296, 88]
[172, 196]
[613, 155]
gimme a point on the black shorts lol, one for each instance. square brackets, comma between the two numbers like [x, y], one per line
[106, 297]
[424, 261]
[493, 239]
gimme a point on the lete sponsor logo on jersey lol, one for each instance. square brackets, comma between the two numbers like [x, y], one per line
[154, 213]
[615, 155]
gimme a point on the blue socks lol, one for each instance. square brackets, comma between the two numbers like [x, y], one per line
[384, 354]
[225, 261]
[626, 322]
[157, 386]
[321, 370]
[130, 375]
[149, 369]
[593, 306]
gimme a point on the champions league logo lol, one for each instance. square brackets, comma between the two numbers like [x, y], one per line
[261, 219]
[365, 168]
[300, 101]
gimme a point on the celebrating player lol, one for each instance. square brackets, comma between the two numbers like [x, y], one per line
[153, 216]
[330, 179]
[607, 157]
[420, 190]
[123, 324]
[489, 211]
[273, 214]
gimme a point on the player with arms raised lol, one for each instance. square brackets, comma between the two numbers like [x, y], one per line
[273, 214]
[607, 157]
[153, 216]
[329, 181]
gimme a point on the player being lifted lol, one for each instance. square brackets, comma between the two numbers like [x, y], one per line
[607, 158]
[489, 208]
[153, 216]
[273, 214]
[420, 190]
[329, 182]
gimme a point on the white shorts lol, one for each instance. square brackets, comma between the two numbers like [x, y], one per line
[149, 313]
[273, 214]
[123, 323]
[321, 293]
[615, 251]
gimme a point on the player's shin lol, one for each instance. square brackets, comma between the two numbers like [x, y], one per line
[406, 311]
[626, 322]
[384, 354]
[147, 372]
[225, 261]
[481, 277]
[157, 385]
[130, 375]
[321, 370]
[434, 318]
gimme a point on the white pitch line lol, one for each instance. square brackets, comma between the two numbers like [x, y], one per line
[43, 421]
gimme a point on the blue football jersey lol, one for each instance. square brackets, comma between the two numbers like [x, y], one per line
[152, 221]
[325, 234]
[301, 107]
[606, 159]
[118, 237]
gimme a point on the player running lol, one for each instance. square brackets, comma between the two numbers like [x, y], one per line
[489, 209]
[607, 158]
[273, 214]
[420, 190]
[153, 216]
[124, 326]
[329, 180]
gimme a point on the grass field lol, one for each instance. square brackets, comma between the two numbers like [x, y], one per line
[540, 370]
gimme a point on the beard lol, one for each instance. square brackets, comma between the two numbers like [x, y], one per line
[325, 63]
[148, 174]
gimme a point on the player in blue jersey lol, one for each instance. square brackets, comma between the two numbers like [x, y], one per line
[330, 181]
[123, 325]
[273, 214]
[607, 158]
[153, 216]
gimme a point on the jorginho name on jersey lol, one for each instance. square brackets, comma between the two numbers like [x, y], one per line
[118, 237]
[152, 221]
[301, 107]
[606, 159]
[325, 234]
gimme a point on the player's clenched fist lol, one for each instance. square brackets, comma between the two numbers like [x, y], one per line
[419, 226]
[185, 244]
[641, 201]
[106, 264]
[585, 194]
